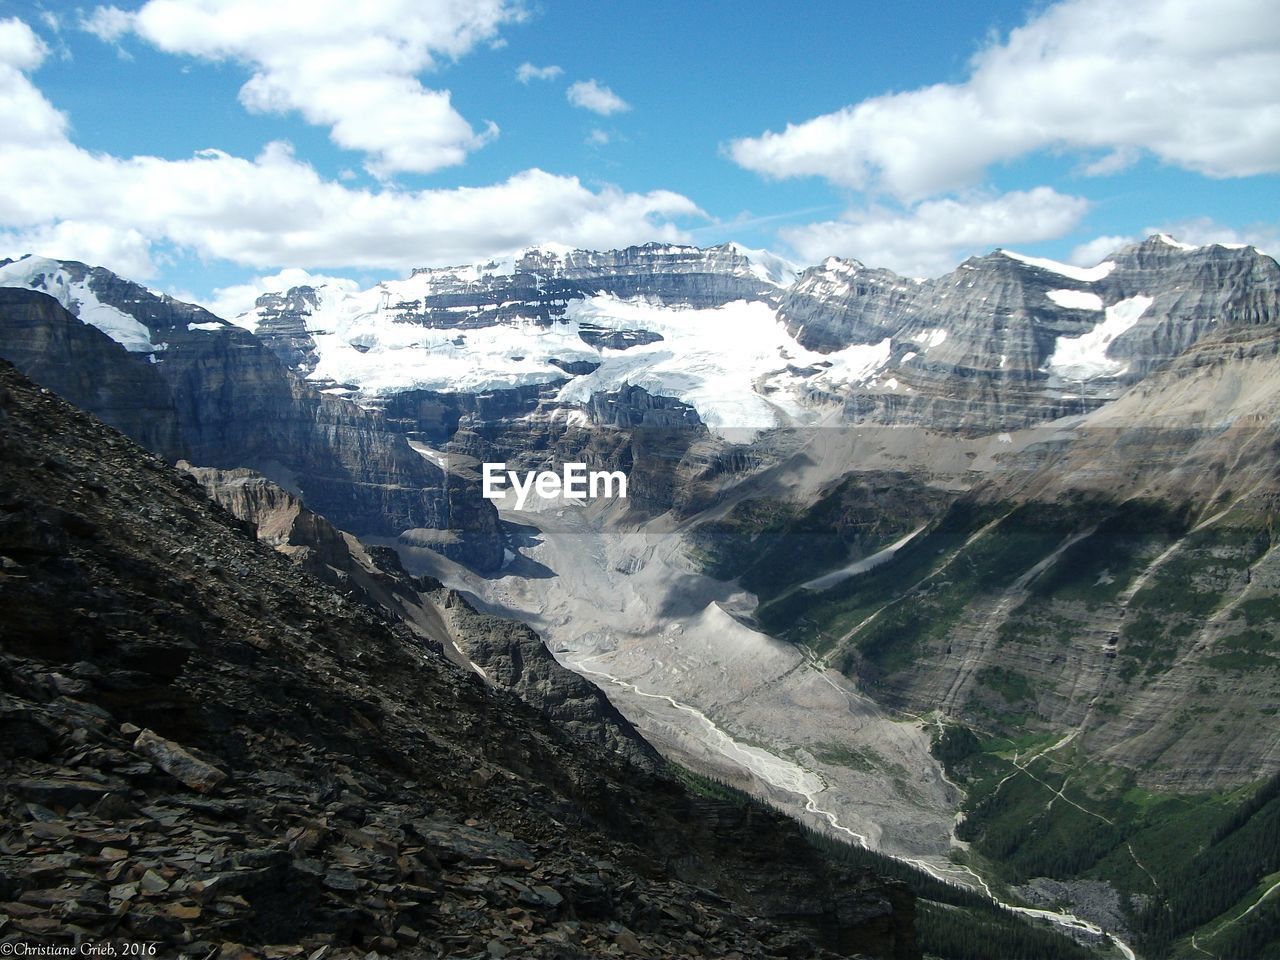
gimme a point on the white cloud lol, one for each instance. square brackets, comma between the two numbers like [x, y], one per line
[350, 67]
[124, 250]
[932, 237]
[26, 117]
[277, 210]
[527, 71]
[108, 24]
[20, 48]
[1094, 251]
[230, 302]
[593, 96]
[1119, 159]
[1190, 82]
[597, 138]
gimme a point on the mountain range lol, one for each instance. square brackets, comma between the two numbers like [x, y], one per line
[978, 571]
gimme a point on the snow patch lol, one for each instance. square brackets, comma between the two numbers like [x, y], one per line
[931, 338]
[206, 326]
[722, 361]
[767, 266]
[1075, 299]
[859, 363]
[1085, 357]
[709, 359]
[827, 581]
[1082, 274]
[1169, 241]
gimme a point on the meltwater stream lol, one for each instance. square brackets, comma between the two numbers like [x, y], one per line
[790, 776]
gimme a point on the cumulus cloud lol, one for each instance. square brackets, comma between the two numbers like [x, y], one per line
[26, 117]
[350, 67]
[108, 24]
[122, 249]
[275, 209]
[1192, 83]
[594, 96]
[527, 71]
[1094, 251]
[932, 237]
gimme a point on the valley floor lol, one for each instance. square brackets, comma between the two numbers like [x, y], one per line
[675, 653]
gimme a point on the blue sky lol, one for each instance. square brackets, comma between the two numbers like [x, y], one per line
[203, 145]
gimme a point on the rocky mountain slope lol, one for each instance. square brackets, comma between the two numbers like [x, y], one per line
[1042, 512]
[1105, 613]
[232, 404]
[206, 749]
[1007, 340]
[1122, 584]
[506, 653]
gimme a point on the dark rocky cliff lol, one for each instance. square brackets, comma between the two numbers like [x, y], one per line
[79, 361]
[513, 657]
[236, 405]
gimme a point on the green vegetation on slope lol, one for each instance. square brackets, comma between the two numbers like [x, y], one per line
[820, 619]
[1037, 597]
[959, 933]
[951, 921]
[771, 545]
[1232, 866]
[1180, 863]
[979, 565]
[1254, 936]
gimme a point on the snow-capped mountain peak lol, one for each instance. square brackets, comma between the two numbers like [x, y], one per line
[67, 283]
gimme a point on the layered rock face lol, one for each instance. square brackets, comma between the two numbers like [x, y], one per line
[669, 273]
[206, 749]
[236, 405]
[843, 301]
[76, 360]
[282, 327]
[536, 286]
[1004, 340]
[435, 416]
